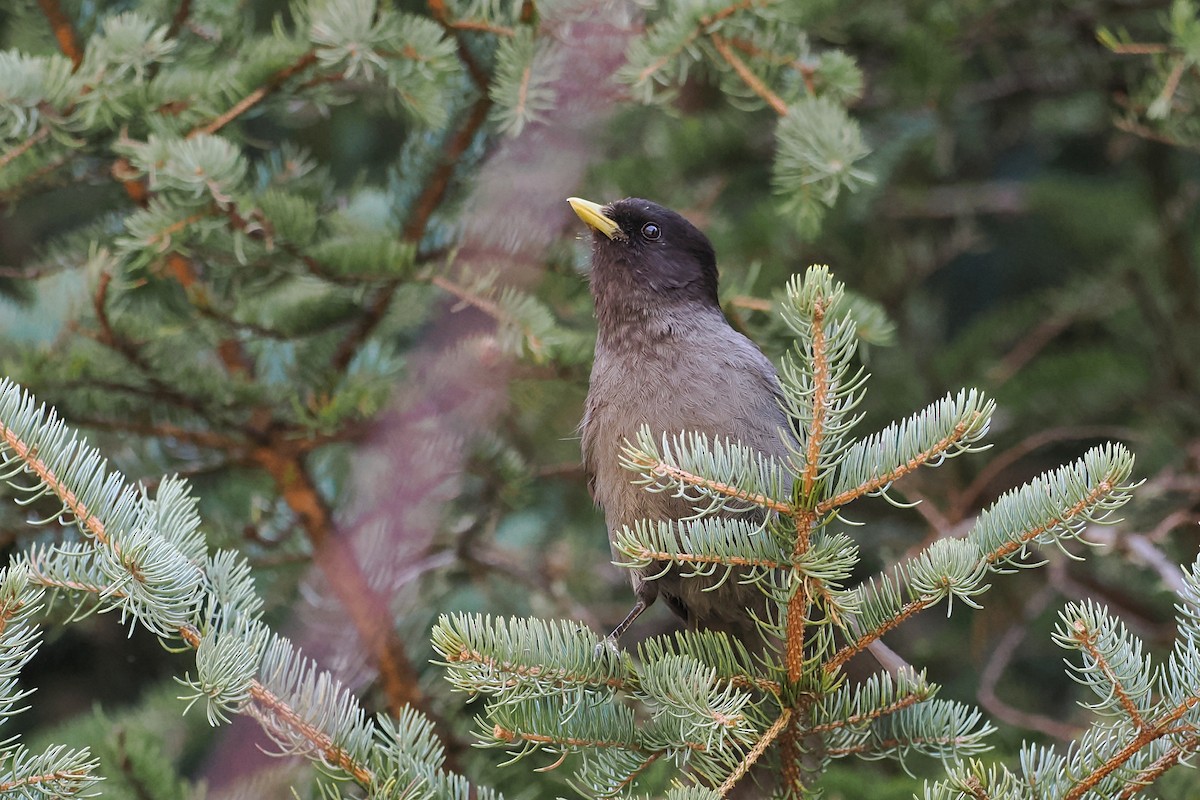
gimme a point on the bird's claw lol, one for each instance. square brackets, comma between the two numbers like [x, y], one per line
[607, 644]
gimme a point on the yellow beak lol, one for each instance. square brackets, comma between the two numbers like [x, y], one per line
[593, 214]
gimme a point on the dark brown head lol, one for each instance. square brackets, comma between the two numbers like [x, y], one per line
[645, 255]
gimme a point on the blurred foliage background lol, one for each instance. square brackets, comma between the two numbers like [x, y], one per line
[1024, 209]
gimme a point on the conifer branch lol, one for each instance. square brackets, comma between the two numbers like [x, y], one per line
[646, 554]
[531, 671]
[437, 9]
[949, 742]
[847, 652]
[756, 752]
[280, 712]
[1098, 492]
[330, 752]
[701, 26]
[271, 85]
[43, 785]
[32, 140]
[540, 739]
[64, 31]
[1160, 727]
[1086, 638]
[908, 701]
[960, 431]
[747, 75]
[662, 469]
[1166, 761]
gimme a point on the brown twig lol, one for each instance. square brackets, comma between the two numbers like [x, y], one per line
[179, 18]
[64, 32]
[760, 747]
[748, 77]
[255, 97]
[909, 610]
[912, 464]
[11, 155]
[1164, 762]
[479, 76]
[367, 609]
[701, 26]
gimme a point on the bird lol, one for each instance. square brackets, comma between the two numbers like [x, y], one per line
[666, 357]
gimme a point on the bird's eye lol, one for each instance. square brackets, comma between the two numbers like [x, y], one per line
[651, 231]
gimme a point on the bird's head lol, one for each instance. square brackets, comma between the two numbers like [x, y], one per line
[644, 254]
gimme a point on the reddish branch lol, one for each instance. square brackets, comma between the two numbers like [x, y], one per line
[255, 97]
[748, 77]
[702, 25]
[368, 610]
[64, 32]
[479, 76]
[857, 646]
[878, 482]
[11, 155]
[182, 11]
[1163, 726]
[760, 747]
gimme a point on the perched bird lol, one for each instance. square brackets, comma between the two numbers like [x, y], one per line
[667, 357]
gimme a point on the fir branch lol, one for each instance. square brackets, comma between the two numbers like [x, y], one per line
[969, 428]
[702, 543]
[269, 704]
[702, 25]
[321, 742]
[16, 152]
[847, 652]
[1057, 503]
[70, 782]
[747, 75]
[854, 720]
[525, 657]
[1163, 725]
[756, 752]
[1086, 638]
[644, 458]
[64, 32]
[271, 85]
[437, 9]
[1166, 761]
